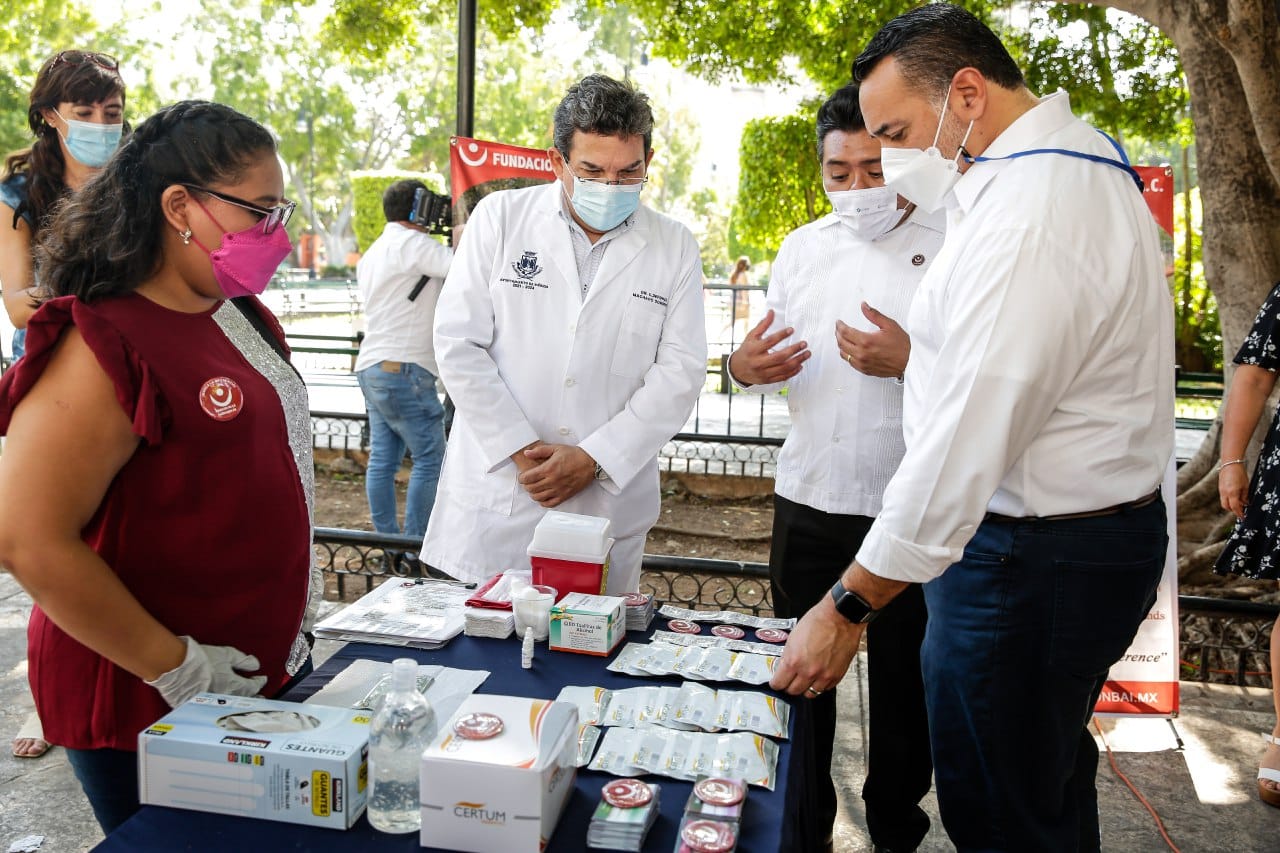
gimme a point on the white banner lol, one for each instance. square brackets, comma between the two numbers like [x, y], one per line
[1145, 680]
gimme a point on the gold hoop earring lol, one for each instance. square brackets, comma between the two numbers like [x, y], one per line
[186, 237]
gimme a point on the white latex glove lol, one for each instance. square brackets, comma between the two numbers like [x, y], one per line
[209, 669]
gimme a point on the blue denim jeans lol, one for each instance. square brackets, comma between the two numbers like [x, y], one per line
[404, 414]
[19, 343]
[109, 778]
[1022, 632]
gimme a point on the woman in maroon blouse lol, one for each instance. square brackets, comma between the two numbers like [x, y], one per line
[160, 446]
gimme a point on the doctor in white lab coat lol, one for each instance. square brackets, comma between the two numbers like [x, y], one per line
[570, 335]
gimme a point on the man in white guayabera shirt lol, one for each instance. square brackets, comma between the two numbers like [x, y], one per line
[1038, 419]
[830, 340]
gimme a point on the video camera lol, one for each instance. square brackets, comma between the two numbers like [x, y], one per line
[433, 212]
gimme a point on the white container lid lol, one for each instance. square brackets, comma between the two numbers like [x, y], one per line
[569, 536]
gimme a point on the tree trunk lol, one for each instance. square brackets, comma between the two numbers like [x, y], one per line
[1230, 54]
[337, 236]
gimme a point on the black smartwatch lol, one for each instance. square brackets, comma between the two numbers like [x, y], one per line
[852, 606]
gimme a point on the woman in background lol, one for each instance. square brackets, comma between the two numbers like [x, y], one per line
[1253, 550]
[76, 111]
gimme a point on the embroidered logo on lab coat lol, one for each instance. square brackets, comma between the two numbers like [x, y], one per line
[527, 267]
[221, 398]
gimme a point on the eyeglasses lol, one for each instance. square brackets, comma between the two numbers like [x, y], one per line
[620, 182]
[272, 217]
[78, 57]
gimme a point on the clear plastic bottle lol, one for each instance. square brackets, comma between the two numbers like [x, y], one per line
[401, 728]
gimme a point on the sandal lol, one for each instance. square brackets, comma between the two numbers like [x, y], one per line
[1270, 796]
[30, 739]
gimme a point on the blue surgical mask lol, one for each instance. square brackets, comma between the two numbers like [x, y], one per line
[603, 206]
[91, 143]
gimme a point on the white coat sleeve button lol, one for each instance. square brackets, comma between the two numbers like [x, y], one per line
[564, 430]
[569, 383]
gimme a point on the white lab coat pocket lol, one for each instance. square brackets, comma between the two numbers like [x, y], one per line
[462, 482]
[494, 492]
[636, 348]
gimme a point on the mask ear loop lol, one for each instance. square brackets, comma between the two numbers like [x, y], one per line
[960, 151]
[942, 114]
[195, 239]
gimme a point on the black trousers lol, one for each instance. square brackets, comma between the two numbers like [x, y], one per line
[810, 550]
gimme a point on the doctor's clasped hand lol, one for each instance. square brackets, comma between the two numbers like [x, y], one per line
[559, 472]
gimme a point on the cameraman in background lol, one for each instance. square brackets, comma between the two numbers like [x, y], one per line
[400, 278]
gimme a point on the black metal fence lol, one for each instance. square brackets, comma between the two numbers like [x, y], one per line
[1223, 641]
[1226, 641]
[356, 561]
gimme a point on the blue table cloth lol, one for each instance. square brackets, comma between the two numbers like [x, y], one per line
[771, 820]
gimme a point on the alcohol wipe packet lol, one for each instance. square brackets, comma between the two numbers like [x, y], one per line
[591, 702]
[615, 753]
[746, 756]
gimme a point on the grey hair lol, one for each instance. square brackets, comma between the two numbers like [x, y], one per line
[602, 105]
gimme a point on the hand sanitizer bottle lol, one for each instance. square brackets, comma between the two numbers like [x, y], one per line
[401, 728]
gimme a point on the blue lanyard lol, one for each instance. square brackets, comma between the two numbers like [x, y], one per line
[1122, 164]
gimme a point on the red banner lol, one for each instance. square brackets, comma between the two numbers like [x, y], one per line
[478, 167]
[1158, 191]
[1158, 698]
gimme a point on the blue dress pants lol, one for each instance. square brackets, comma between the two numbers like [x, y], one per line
[1022, 632]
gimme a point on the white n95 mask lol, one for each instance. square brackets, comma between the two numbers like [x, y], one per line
[869, 212]
[923, 177]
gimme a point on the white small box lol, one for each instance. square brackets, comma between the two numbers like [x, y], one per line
[253, 757]
[590, 624]
[506, 792]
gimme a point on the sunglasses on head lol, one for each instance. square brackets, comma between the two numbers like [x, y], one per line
[78, 57]
[272, 217]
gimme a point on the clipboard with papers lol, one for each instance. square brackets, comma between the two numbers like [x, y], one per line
[421, 614]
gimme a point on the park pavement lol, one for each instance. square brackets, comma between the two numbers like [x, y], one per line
[1204, 791]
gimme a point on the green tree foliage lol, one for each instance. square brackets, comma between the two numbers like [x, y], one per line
[1121, 72]
[780, 184]
[1199, 337]
[369, 29]
[367, 189]
[332, 114]
[40, 28]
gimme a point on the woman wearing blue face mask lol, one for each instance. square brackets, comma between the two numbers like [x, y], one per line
[76, 112]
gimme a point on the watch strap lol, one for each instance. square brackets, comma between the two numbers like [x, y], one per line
[852, 606]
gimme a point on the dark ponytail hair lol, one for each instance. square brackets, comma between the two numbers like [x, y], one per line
[106, 239]
[84, 82]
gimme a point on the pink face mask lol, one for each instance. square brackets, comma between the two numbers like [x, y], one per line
[246, 260]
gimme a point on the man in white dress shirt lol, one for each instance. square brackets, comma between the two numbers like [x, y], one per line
[570, 335]
[1038, 424]
[836, 285]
